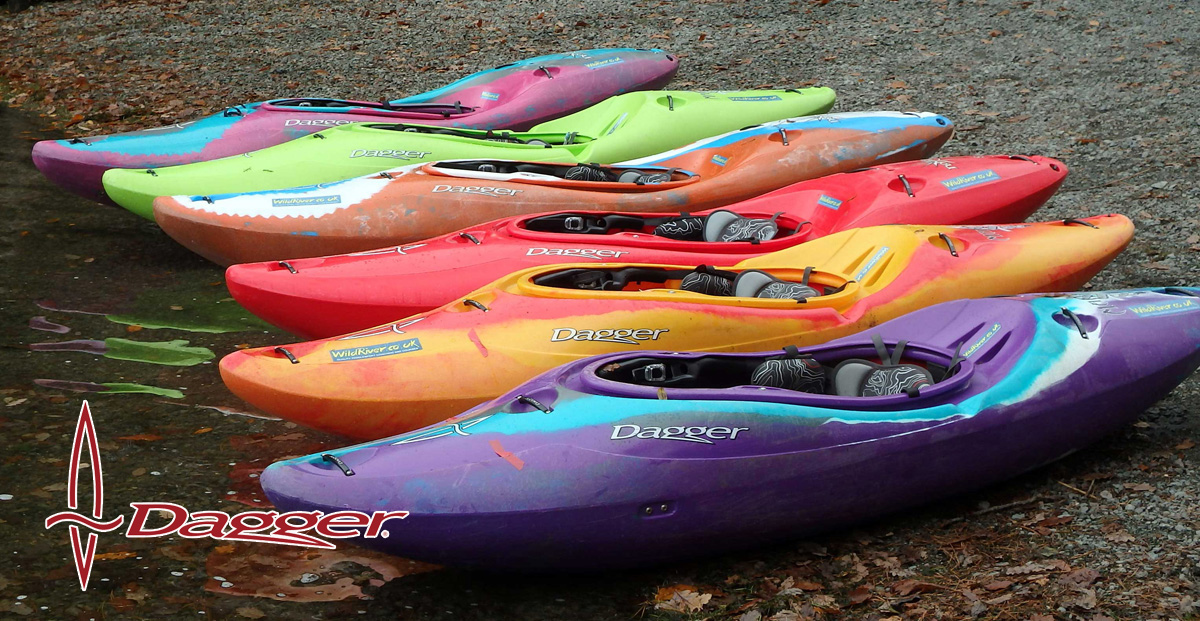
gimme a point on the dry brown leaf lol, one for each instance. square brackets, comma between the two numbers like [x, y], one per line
[1082, 577]
[1027, 568]
[859, 595]
[141, 437]
[684, 601]
[908, 587]
[1051, 522]
[1185, 445]
[109, 556]
[667, 592]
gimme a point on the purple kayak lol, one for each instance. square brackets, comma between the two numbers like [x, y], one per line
[516, 96]
[650, 457]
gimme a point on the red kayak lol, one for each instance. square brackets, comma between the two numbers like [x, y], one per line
[326, 296]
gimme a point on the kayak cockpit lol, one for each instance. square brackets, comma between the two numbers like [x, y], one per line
[543, 140]
[792, 285]
[843, 376]
[591, 177]
[313, 104]
[721, 226]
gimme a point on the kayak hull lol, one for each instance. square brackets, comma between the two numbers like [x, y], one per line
[327, 296]
[420, 202]
[501, 488]
[516, 96]
[393, 378]
[618, 128]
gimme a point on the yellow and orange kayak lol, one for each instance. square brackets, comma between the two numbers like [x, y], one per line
[433, 365]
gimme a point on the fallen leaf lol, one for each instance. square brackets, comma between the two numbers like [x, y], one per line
[998, 585]
[824, 602]
[250, 613]
[684, 601]
[667, 592]
[1082, 577]
[135, 592]
[1027, 568]
[859, 595]
[907, 587]
[1185, 445]
[202, 430]
[1055, 521]
[141, 437]
[1085, 600]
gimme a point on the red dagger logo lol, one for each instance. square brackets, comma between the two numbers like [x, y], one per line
[85, 429]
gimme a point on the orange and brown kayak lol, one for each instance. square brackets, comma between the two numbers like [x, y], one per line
[424, 200]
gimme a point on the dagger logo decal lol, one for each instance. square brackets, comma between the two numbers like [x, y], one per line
[85, 430]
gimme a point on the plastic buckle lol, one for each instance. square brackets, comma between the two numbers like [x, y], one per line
[655, 373]
[574, 223]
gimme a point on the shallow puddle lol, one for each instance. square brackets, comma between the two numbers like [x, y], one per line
[99, 304]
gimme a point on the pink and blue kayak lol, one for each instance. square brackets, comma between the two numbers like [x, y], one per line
[639, 458]
[516, 96]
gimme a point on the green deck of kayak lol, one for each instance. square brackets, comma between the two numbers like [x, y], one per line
[620, 128]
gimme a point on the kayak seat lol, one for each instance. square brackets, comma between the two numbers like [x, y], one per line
[759, 284]
[720, 226]
[853, 377]
[594, 172]
[749, 284]
[707, 281]
[802, 374]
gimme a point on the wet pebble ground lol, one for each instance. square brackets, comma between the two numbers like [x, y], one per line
[1110, 88]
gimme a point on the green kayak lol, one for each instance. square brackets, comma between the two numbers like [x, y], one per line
[620, 128]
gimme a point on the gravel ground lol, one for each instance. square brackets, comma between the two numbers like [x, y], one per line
[1108, 87]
